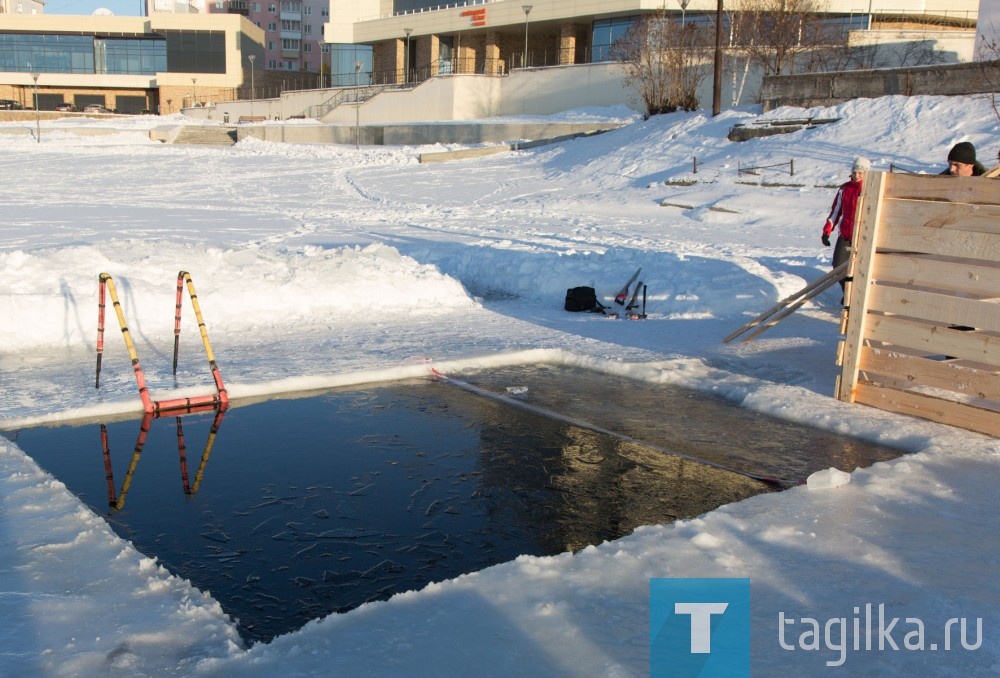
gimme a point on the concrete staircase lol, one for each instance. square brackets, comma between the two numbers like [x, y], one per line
[207, 135]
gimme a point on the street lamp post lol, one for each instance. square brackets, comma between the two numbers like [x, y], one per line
[684, 6]
[253, 94]
[38, 122]
[406, 57]
[357, 104]
[527, 11]
[194, 91]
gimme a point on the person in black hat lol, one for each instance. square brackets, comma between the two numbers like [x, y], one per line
[962, 161]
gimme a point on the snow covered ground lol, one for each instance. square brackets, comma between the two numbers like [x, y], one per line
[319, 266]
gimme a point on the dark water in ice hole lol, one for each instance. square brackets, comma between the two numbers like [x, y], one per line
[303, 507]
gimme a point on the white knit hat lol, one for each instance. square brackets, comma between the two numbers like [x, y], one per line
[861, 165]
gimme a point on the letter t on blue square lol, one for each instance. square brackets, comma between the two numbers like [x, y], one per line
[699, 628]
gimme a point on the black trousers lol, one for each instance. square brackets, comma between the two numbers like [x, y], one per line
[841, 253]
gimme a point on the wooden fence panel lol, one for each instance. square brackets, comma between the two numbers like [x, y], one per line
[922, 330]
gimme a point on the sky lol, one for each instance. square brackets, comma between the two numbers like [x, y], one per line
[117, 7]
[320, 266]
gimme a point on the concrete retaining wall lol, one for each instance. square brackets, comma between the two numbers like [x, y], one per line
[417, 135]
[466, 153]
[459, 97]
[454, 97]
[552, 90]
[829, 89]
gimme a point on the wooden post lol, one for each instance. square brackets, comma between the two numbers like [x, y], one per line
[862, 255]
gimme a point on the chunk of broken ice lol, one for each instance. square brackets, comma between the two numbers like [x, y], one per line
[827, 478]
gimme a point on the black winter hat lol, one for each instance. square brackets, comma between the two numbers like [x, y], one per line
[963, 152]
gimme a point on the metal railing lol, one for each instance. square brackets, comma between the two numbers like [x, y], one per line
[349, 95]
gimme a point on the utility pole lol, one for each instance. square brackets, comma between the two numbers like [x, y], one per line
[717, 75]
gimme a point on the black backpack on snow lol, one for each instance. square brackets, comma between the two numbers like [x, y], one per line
[582, 299]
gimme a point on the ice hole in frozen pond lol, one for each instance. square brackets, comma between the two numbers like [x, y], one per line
[290, 509]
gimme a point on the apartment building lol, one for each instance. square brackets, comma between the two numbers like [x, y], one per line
[22, 6]
[293, 30]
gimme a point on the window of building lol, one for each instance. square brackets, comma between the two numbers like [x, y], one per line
[196, 51]
[272, 8]
[272, 26]
[272, 64]
[342, 58]
[290, 43]
[25, 53]
[401, 6]
[130, 56]
[307, 47]
[256, 7]
[445, 47]
[606, 32]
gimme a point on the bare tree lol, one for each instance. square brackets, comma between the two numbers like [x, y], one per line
[665, 61]
[988, 56]
[840, 53]
[737, 61]
[920, 53]
[774, 33]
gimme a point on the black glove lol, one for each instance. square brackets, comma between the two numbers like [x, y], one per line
[826, 240]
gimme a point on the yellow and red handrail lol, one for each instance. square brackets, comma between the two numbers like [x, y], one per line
[106, 286]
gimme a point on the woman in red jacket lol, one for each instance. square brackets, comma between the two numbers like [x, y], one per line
[842, 213]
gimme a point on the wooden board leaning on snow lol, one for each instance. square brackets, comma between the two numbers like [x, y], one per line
[925, 262]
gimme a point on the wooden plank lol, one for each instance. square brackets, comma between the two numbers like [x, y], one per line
[803, 298]
[928, 407]
[935, 339]
[910, 371]
[946, 216]
[943, 187]
[807, 292]
[976, 279]
[904, 237]
[866, 235]
[939, 308]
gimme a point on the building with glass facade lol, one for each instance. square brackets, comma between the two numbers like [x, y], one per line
[412, 40]
[160, 63]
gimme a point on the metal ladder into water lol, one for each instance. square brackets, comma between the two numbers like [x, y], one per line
[219, 399]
